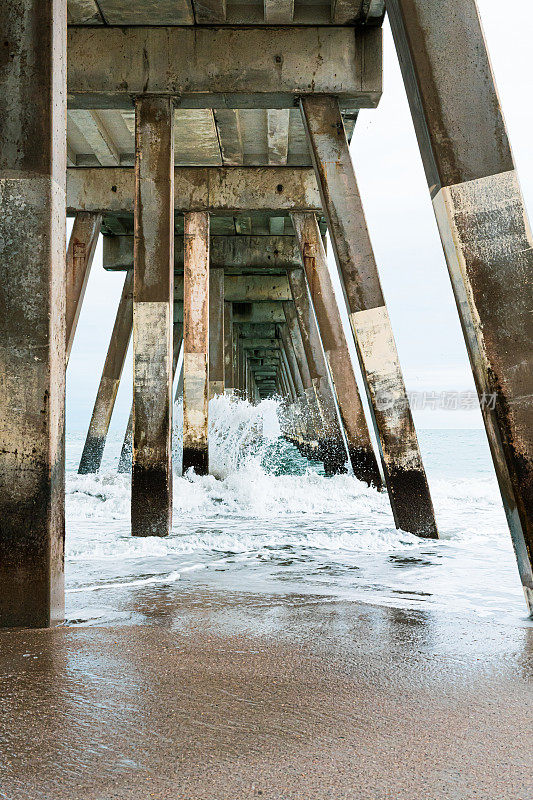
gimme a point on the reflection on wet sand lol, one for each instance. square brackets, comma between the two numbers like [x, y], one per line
[226, 695]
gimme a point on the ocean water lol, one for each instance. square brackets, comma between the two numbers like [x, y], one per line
[269, 522]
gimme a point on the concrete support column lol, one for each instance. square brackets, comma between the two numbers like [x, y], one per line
[32, 311]
[216, 331]
[240, 367]
[153, 305]
[331, 443]
[196, 343]
[290, 356]
[484, 230]
[80, 254]
[93, 450]
[309, 412]
[124, 462]
[228, 347]
[361, 452]
[402, 463]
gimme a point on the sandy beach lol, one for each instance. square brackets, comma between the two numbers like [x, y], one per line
[223, 696]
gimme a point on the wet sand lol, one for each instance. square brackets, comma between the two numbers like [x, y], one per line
[222, 696]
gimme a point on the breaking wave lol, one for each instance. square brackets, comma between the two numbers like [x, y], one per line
[268, 519]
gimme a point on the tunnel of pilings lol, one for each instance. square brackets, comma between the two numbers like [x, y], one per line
[208, 143]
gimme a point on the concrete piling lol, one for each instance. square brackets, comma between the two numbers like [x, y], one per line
[228, 347]
[93, 450]
[32, 312]
[153, 299]
[360, 450]
[331, 445]
[484, 230]
[310, 412]
[124, 462]
[216, 332]
[196, 343]
[402, 463]
[80, 254]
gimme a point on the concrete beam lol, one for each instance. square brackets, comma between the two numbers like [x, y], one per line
[196, 344]
[402, 462]
[484, 229]
[268, 311]
[215, 189]
[32, 312]
[229, 136]
[98, 137]
[255, 344]
[83, 12]
[223, 67]
[260, 330]
[246, 288]
[231, 252]
[278, 12]
[151, 486]
[210, 11]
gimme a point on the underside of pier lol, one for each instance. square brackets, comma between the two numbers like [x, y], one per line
[208, 142]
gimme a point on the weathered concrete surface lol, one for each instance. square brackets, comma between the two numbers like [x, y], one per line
[80, 254]
[245, 288]
[223, 67]
[225, 251]
[268, 311]
[308, 406]
[32, 311]
[228, 347]
[360, 450]
[93, 450]
[484, 230]
[401, 459]
[124, 461]
[218, 189]
[216, 332]
[283, 699]
[196, 343]
[331, 443]
[210, 12]
[153, 296]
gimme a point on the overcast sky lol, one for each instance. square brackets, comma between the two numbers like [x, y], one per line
[403, 230]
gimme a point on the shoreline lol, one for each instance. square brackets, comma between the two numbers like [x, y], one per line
[222, 696]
